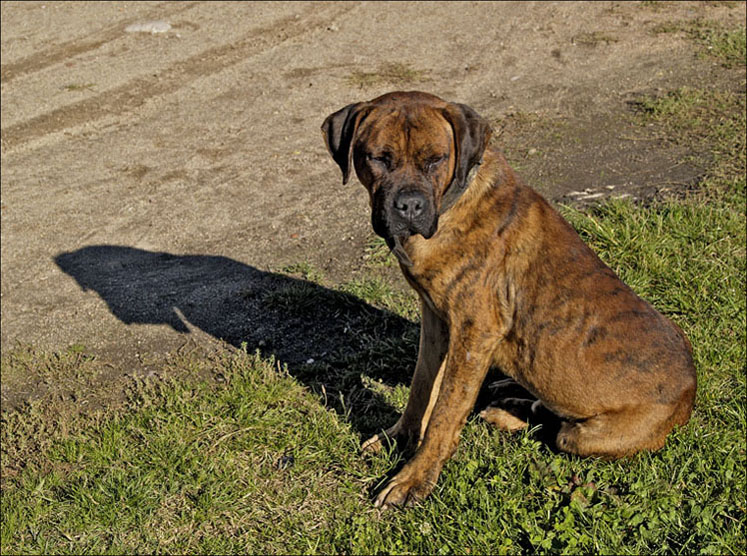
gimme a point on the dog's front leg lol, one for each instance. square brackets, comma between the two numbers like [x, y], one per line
[467, 362]
[408, 431]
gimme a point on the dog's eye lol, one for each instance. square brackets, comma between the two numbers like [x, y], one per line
[433, 162]
[383, 160]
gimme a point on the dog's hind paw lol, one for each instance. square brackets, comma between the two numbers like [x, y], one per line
[378, 441]
[396, 435]
[374, 444]
[502, 419]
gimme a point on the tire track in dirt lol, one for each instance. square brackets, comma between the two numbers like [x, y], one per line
[137, 92]
[59, 52]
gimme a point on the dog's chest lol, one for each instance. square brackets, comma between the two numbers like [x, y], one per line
[451, 282]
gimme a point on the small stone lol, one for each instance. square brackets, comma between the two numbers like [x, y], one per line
[149, 27]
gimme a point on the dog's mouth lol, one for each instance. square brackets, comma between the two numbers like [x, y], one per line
[395, 239]
[392, 221]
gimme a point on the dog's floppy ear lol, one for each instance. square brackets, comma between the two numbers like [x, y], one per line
[339, 131]
[471, 135]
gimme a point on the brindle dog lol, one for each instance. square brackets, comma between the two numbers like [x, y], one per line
[504, 281]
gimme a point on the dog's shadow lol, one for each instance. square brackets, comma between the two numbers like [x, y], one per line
[329, 340]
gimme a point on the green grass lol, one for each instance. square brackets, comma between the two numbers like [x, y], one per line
[190, 469]
[727, 45]
[378, 255]
[264, 460]
[391, 73]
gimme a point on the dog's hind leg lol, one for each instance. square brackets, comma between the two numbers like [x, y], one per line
[616, 434]
[511, 409]
[508, 388]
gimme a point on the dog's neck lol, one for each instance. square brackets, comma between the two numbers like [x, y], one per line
[456, 190]
[484, 180]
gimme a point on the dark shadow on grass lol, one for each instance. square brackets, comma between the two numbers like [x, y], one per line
[328, 339]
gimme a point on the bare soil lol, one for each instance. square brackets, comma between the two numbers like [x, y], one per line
[153, 184]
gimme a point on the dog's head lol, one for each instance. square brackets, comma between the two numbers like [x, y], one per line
[412, 151]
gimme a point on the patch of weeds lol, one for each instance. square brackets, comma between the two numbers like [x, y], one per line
[394, 395]
[685, 110]
[79, 87]
[305, 270]
[519, 119]
[593, 38]
[75, 393]
[300, 298]
[728, 45]
[654, 5]
[377, 254]
[378, 292]
[68, 373]
[303, 296]
[49, 366]
[525, 123]
[390, 73]
[697, 118]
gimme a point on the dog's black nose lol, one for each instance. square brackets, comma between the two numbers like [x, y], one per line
[410, 204]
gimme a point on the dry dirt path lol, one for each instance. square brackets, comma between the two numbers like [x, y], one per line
[152, 181]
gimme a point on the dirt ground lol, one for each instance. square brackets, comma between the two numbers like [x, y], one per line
[152, 183]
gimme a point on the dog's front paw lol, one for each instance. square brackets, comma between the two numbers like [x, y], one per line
[404, 490]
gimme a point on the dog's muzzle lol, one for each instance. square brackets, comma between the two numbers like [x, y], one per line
[402, 214]
[410, 208]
